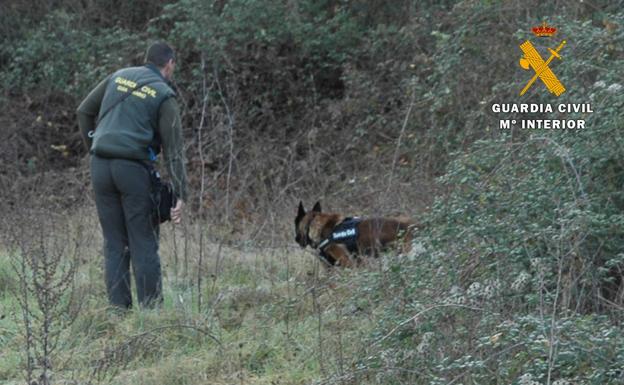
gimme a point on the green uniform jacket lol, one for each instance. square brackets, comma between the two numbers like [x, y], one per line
[148, 118]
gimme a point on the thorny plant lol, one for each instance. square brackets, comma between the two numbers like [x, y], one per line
[45, 250]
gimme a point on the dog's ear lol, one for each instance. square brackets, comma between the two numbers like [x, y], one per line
[317, 207]
[300, 213]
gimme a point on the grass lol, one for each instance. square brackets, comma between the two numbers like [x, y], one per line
[268, 316]
[271, 315]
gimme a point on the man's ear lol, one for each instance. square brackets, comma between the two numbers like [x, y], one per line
[317, 207]
[169, 67]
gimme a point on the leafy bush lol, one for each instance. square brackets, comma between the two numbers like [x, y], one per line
[66, 59]
[517, 277]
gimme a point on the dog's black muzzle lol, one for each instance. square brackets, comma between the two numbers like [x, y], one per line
[301, 240]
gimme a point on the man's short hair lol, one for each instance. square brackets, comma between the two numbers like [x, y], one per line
[159, 53]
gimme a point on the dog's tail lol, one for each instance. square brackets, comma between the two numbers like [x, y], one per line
[404, 219]
[411, 228]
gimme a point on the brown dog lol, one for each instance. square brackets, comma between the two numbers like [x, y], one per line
[340, 240]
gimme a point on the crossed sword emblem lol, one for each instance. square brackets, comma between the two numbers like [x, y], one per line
[532, 59]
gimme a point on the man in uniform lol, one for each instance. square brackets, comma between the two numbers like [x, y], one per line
[124, 121]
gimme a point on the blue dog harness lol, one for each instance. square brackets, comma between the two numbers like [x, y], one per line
[345, 233]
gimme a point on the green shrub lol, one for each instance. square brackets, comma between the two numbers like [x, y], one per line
[57, 56]
[517, 275]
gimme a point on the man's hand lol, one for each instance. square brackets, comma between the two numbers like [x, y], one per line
[176, 212]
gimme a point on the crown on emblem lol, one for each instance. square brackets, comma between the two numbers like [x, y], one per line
[544, 30]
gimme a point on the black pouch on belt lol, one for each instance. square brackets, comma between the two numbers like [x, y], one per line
[163, 196]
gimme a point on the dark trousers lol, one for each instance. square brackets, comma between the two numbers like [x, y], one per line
[124, 207]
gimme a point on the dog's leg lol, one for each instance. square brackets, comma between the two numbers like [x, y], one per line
[339, 253]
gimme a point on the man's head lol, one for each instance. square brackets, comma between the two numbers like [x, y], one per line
[162, 56]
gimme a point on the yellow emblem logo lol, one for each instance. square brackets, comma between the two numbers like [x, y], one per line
[533, 60]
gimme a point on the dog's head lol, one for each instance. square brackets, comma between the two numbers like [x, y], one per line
[302, 223]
